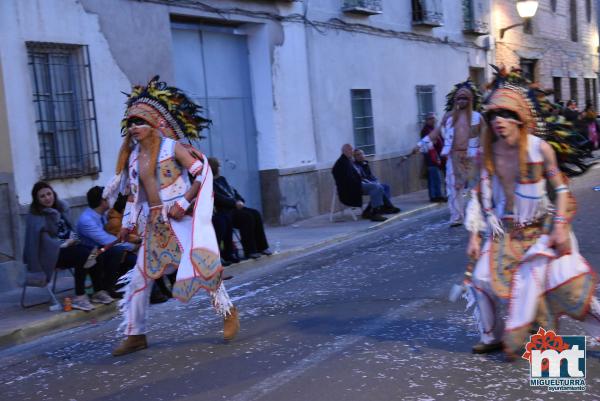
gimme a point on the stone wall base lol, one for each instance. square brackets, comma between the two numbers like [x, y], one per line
[293, 194]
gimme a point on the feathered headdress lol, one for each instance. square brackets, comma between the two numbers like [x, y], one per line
[167, 108]
[511, 91]
[467, 85]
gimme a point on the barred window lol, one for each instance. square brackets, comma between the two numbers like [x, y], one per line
[362, 117]
[65, 111]
[425, 101]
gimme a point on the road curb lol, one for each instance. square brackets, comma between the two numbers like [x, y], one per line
[60, 320]
[67, 320]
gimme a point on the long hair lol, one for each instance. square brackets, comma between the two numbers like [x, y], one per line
[127, 147]
[489, 137]
[36, 207]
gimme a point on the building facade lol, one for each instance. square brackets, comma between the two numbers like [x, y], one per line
[285, 82]
[558, 48]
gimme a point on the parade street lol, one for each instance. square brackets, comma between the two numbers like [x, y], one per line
[368, 319]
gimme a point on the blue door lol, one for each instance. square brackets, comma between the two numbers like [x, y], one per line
[211, 65]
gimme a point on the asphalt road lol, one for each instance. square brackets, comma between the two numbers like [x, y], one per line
[364, 320]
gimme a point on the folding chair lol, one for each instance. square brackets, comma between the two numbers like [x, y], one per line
[38, 280]
[334, 200]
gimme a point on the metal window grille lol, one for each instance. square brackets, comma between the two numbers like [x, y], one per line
[557, 86]
[573, 87]
[425, 101]
[63, 96]
[362, 117]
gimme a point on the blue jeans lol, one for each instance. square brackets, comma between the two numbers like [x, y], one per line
[375, 192]
[434, 182]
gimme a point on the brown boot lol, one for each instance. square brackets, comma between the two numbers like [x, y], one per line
[131, 344]
[231, 325]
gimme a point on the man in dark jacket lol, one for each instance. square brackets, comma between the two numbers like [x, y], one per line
[367, 176]
[230, 204]
[350, 187]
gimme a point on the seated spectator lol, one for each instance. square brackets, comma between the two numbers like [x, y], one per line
[434, 163]
[350, 187]
[367, 177]
[229, 203]
[50, 243]
[224, 232]
[115, 261]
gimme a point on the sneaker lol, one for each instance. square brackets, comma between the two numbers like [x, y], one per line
[267, 252]
[82, 302]
[102, 297]
[254, 255]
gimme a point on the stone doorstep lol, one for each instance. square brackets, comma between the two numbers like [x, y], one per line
[66, 320]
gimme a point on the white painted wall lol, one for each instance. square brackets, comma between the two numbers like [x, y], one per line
[61, 21]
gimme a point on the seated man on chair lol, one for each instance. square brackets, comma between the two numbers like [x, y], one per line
[367, 177]
[351, 188]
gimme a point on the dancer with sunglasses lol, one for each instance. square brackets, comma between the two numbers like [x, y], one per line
[162, 177]
[461, 128]
[530, 259]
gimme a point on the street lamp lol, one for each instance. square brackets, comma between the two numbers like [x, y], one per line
[526, 10]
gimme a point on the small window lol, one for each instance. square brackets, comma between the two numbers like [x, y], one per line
[65, 112]
[573, 88]
[553, 5]
[573, 14]
[362, 118]
[364, 7]
[528, 68]
[476, 16]
[557, 86]
[528, 26]
[587, 87]
[427, 12]
[425, 101]
[594, 94]
[588, 10]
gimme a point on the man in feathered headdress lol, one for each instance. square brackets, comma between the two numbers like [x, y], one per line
[530, 257]
[460, 127]
[163, 177]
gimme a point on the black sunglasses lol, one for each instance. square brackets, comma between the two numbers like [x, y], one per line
[506, 114]
[136, 121]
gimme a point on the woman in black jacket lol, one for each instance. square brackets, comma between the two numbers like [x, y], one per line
[50, 244]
